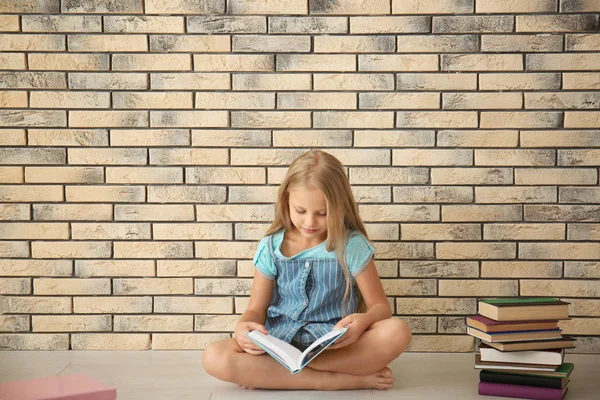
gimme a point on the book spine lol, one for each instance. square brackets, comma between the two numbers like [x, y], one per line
[523, 392]
[538, 381]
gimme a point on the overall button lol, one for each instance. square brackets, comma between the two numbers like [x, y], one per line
[307, 264]
[304, 304]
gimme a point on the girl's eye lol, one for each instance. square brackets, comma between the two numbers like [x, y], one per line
[300, 212]
[322, 215]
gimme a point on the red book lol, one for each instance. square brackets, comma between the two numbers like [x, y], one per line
[66, 387]
[522, 392]
[489, 325]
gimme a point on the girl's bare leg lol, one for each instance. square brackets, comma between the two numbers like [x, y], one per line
[227, 361]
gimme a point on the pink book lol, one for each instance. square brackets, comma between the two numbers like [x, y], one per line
[65, 387]
[521, 392]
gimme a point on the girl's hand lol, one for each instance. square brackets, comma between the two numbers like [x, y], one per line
[246, 344]
[357, 324]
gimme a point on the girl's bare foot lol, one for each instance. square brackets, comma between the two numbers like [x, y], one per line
[383, 379]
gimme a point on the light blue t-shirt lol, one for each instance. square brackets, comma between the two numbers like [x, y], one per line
[358, 253]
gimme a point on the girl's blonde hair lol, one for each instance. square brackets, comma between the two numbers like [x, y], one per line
[326, 173]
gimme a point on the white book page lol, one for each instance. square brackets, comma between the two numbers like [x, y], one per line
[313, 350]
[288, 353]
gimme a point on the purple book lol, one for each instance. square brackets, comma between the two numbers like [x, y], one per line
[521, 392]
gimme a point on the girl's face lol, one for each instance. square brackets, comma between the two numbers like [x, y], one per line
[308, 212]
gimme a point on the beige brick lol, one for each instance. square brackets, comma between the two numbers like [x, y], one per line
[440, 232]
[559, 251]
[196, 268]
[14, 61]
[515, 194]
[10, 23]
[580, 326]
[562, 100]
[184, 7]
[272, 82]
[153, 100]
[584, 307]
[524, 232]
[70, 249]
[397, 176]
[399, 213]
[561, 213]
[143, 286]
[270, 119]
[475, 251]
[581, 270]
[582, 119]
[14, 285]
[218, 323]
[430, 6]
[231, 138]
[72, 212]
[189, 156]
[268, 7]
[68, 137]
[481, 213]
[433, 194]
[307, 100]
[521, 119]
[349, 7]
[186, 194]
[409, 287]
[564, 287]
[436, 119]
[365, 120]
[579, 195]
[237, 213]
[478, 287]
[562, 62]
[109, 231]
[190, 43]
[69, 62]
[110, 341]
[315, 62]
[154, 323]
[434, 269]
[27, 80]
[144, 24]
[189, 119]
[62, 23]
[18, 230]
[107, 80]
[103, 119]
[102, 6]
[144, 175]
[13, 137]
[353, 157]
[583, 231]
[189, 80]
[578, 157]
[451, 325]
[360, 82]
[71, 286]
[13, 99]
[193, 305]
[387, 269]
[191, 341]
[13, 249]
[152, 62]
[314, 25]
[32, 118]
[354, 44]
[14, 212]
[34, 341]
[424, 157]
[563, 138]
[436, 306]
[275, 175]
[154, 213]
[250, 231]
[14, 323]
[112, 305]
[579, 5]
[247, 270]
[399, 100]
[521, 269]
[252, 194]
[515, 157]
[225, 175]
[482, 62]
[473, 24]
[233, 62]
[228, 287]
[227, 24]
[312, 138]
[442, 343]
[31, 42]
[271, 44]
[369, 25]
[193, 231]
[443, 81]
[481, 100]
[398, 63]
[30, 193]
[585, 80]
[232, 101]
[436, 43]
[264, 157]
[71, 323]
[556, 23]
[515, 6]
[388, 138]
[150, 137]
[11, 175]
[114, 268]
[107, 156]
[479, 138]
[555, 176]
[24, 6]
[78, 99]
[98, 194]
[108, 43]
[522, 43]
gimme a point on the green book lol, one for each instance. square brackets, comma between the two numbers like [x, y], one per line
[524, 309]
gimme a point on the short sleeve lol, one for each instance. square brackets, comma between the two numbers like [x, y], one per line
[358, 254]
[263, 261]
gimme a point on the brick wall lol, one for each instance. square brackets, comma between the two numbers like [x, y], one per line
[142, 143]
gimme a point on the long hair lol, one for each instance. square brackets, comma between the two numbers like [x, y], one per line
[326, 173]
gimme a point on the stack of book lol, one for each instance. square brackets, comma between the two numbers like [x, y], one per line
[521, 353]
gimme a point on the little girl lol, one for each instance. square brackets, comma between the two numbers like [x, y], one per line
[314, 273]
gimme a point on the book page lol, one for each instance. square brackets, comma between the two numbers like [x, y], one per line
[280, 350]
[321, 344]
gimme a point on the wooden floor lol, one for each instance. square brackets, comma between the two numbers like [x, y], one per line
[154, 375]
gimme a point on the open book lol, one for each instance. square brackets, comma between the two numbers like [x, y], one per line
[289, 356]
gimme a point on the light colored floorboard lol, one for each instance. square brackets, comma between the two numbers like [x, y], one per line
[158, 375]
